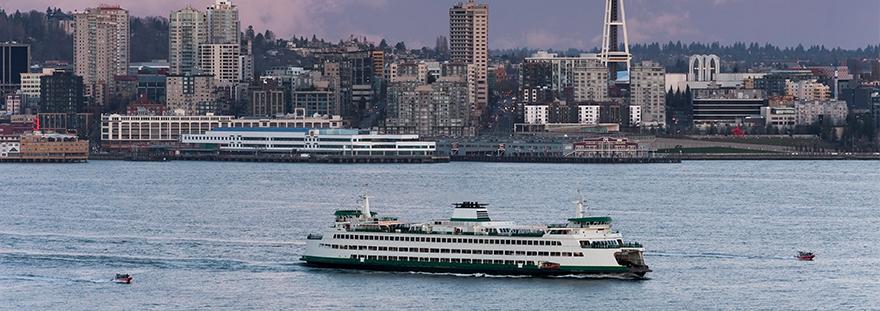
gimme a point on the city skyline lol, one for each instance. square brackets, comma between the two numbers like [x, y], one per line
[811, 22]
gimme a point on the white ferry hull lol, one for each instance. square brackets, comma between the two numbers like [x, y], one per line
[594, 261]
[470, 242]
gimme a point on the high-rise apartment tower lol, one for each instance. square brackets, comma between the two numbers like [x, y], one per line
[101, 49]
[188, 29]
[224, 26]
[468, 42]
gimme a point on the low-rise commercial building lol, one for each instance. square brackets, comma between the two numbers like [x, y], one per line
[267, 98]
[779, 117]
[38, 147]
[635, 115]
[347, 142]
[727, 106]
[537, 114]
[575, 116]
[9, 146]
[13, 103]
[118, 131]
[608, 148]
[121, 132]
[317, 101]
[809, 112]
[586, 113]
[807, 90]
[30, 83]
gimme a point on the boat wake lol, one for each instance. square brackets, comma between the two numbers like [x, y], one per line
[473, 275]
[171, 263]
[123, 239]
[502, 276]
[600, 277]
[50, 279]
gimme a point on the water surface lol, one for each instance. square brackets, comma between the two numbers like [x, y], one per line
[210, 235]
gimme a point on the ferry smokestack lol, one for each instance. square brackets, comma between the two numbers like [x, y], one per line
[366, 206]
[579, 212]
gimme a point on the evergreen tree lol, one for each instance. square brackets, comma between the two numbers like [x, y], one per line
[249, 33]
[400, 47]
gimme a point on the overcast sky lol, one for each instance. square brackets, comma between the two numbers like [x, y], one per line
[544, 23]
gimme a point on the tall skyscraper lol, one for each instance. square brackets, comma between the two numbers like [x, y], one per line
[188, 29]
[468, 42]
[224, 26]
[648, 91]
[223, 61]
[15, 59]
[101, 49]
[221, 56]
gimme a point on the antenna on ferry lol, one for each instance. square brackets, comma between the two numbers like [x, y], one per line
[580, 205]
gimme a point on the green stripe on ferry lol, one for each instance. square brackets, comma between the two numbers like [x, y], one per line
[477, 268]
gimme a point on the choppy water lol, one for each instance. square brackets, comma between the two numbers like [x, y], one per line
[721, 235]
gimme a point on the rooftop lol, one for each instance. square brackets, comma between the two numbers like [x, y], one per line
[262, 129]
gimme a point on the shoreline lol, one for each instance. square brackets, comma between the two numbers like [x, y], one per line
[338, 159]
[659, 159]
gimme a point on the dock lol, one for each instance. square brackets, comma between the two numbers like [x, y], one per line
[43, 160]
[564, 160]
[334, 159]
[777, 156]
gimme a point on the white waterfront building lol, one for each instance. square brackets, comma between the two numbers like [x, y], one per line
[313, 141]
[120, 129]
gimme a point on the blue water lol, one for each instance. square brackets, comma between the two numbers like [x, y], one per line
[207, 235]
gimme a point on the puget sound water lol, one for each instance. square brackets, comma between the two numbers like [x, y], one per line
[212, 235]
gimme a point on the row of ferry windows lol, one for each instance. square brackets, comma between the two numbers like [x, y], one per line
[445, 240]
[452, 251]
[451, 260]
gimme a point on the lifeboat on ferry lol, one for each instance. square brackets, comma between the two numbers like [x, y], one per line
[805, 256]
[549, 266]
[122, 279]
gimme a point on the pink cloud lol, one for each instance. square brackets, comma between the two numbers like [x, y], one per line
[661, 26]
[300, 17]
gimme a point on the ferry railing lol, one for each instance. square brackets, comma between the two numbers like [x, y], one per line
[536, 234]
[612, 245]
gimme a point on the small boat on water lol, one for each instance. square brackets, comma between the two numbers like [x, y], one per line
[122, 279]
[805, 256]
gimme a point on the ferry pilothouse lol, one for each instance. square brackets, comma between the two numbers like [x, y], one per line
[471, 242]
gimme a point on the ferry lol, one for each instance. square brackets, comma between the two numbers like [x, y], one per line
[470, 242]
